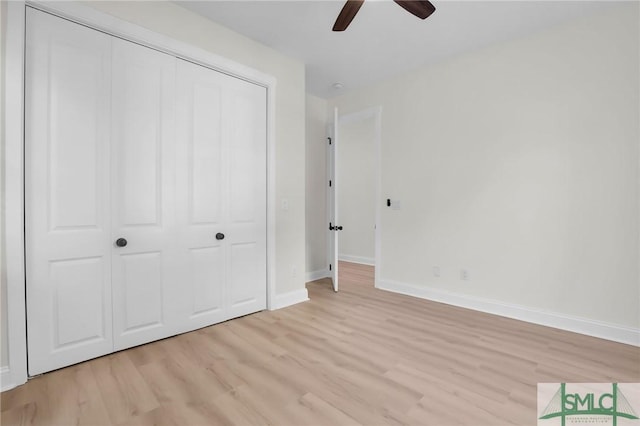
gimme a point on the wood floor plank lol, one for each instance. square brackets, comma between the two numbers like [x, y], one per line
[231, 406]
[150, 352]
[178, 380]
[123, 390]
[21, 415]
[35, 391]
[330, 415]
[361, 356]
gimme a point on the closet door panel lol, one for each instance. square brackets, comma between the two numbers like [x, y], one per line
[139, 134]
[142, 291]
[72, 160]
[200, 175]
[244, 115]
[207, 278]
[79, 311]
[221, 123]
[246, 274]
[145, 280]
[68, 264]
[245, 134]
[204, 152]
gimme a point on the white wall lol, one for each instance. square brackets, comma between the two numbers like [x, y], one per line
[356, 178]
[316, 188]
[520, 163]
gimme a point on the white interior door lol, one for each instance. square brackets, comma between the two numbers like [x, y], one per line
[200, 171]
[67, 223]
[244, 115]
[333, 227]
[222, 210]
[146, 279]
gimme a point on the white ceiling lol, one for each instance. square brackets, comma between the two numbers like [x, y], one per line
[383, 40]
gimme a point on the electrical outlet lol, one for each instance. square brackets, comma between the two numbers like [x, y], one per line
[436, 271]
[464, 274]
[294, 271]
[285, 204]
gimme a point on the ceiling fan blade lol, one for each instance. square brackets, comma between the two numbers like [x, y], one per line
[347, 14]
[420, 8]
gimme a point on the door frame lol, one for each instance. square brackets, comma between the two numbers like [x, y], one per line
[15, 373]
[376, 114]
[332, 200]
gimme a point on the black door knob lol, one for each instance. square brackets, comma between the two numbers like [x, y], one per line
[121, 242]
[219, 236]
[334, 228]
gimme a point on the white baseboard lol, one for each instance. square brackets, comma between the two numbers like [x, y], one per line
[357, 259]
[316, 275]
[290, 298]
[6, 381]
[616, 333]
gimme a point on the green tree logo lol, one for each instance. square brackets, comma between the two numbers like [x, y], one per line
[613, 404]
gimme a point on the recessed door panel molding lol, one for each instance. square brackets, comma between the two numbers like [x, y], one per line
[208, 279]
[79, 312]
[205, 155]
[246, 121]
[142, 283]
[145, 275]
[73, 175]
[244, 152]
[68, 259]
[245, 274]
[142, 139]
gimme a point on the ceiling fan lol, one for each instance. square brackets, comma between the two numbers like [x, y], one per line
[420, 8]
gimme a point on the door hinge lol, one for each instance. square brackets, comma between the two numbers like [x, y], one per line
[329, 183]
[329, 141]
[329, 266]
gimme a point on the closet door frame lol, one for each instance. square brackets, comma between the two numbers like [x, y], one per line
[16, 374]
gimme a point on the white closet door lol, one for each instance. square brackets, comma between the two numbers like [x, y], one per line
[145, 280]
[221, 209]
[245, 129]
[145, 194]
[200, 205]
[67, 98]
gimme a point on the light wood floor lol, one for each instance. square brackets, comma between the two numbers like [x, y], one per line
[361, 356]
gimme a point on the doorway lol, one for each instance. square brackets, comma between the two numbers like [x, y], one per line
[354, 163]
